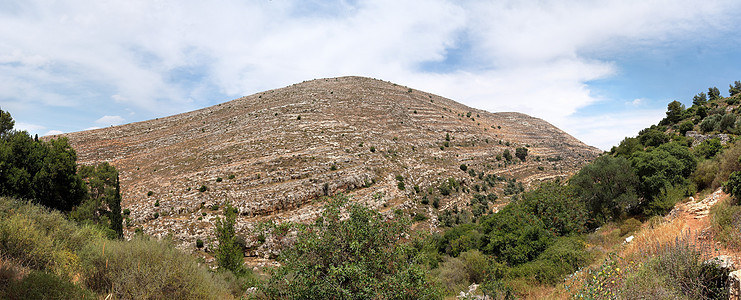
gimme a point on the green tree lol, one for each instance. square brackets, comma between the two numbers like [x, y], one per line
[102, 205]
[607, 187]
[662, 168]
[627, 147]
[363, 256]
[713, 93]
[521, 153]
[733, 186]
[727, 122]
[674, 112]
[514, 235]
[228, 253]
[6, 123]
[507, 155]
[735, 88]
[686, 126]
[699, 99]
[652, 137]
[708, 148]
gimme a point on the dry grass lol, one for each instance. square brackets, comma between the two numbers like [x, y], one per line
[649, 240]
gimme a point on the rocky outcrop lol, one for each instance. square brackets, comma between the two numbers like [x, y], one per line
[698, 138]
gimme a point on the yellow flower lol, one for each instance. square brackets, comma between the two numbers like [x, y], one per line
[618, 269]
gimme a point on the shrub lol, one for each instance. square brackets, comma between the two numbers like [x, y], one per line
[725, 219]
[157, 203]
[360, 257]
[143, 268]
[372, 149]
[150, 193]
[228, 254]
[463, 167]
[199, 243]
[202, 189]
[629, 225]
[231, 176]
[219, 179]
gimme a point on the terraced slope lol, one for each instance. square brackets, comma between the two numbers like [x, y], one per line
[275, 153]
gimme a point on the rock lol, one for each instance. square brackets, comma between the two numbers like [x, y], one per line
[735, 285]
[722, 261]
[629, 239]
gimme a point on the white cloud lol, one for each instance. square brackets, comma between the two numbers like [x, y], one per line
[28, 127]
[53, 132]
[163, 57]
[109, 120]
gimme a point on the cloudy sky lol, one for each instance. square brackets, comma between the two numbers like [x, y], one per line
[600, 70]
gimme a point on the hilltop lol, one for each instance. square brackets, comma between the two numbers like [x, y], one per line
[274, 154]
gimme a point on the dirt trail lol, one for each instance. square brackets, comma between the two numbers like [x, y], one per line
[696, 217]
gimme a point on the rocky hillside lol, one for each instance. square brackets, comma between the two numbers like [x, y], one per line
[275, 154]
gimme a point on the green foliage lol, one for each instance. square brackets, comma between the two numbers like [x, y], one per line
[361, 257]
[735, 88]
[45, 172]
[464, 167]
[557, 206]
[564, 257]
[145, 269]
[711, 123]
[521, 153]
[699, 99]
[41, 285]
[733, 185]
[228, 254]
[708, 148]
[607, 187]
[629, 226]
[674, 113]
[713, 93]
[103, 204]
[6, 123]
[627, 147]
[652, 137]
[46, 242]
[150, 193]
[686, 126]
[219, 179]
[507, 156]
[515, 236]
[203, 188]
[661, 168]
[725, 218]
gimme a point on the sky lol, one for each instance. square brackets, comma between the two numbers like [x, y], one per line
[599, 70]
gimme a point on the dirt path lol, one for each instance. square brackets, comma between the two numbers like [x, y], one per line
[696, 217]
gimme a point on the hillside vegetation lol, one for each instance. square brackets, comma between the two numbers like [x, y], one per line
[562, 238]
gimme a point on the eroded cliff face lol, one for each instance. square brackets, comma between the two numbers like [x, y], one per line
[275, 154]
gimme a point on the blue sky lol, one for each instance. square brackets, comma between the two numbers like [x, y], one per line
[600, 70]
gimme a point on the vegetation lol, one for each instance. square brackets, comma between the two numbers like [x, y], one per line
[362, 257]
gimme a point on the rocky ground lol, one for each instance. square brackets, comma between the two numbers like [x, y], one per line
[275, 154]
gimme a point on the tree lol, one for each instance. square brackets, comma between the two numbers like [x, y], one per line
[713, 93]
[662, 168]
[686, 126]
[607, 187]
[521, 153]
[507, 155]
[228, 253]
[44, 172]
[102, 205]
[735, 88]
[6, 123]
[699, 99]
[363, 256]
[674, 112]
[652, 137]
[733, 186]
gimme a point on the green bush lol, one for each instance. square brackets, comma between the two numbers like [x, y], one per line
[42, 285]
[202, 189]
[360, 257]
[629, 226]
[145, 269]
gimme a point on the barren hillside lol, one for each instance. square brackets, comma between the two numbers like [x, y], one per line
[273, 154]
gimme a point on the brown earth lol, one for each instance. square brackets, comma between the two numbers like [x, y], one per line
[274, 154]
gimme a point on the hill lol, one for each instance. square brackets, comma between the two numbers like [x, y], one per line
[275, 153]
